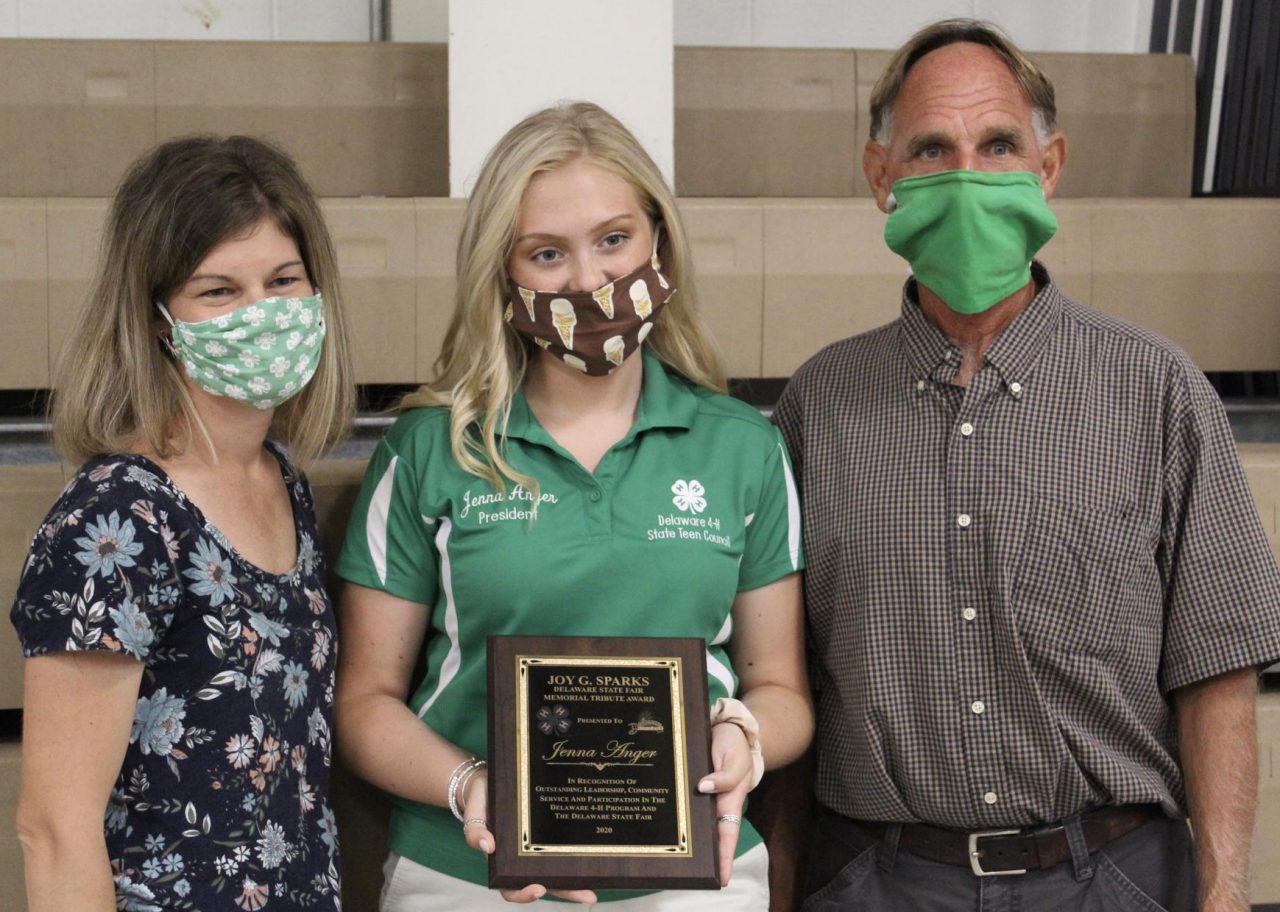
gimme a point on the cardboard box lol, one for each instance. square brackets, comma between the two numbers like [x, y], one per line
[1129, 120]
[73, 114]
[376, 248]
[1203, 272]
[24, 295]
[828, 275]
[868, 67]
[1266, 840]
[13, 893]
[26, 494]
[439, 223]
[75, 235]
[1069, 253]
[1261, 463]
[335, 484]
[359, 118]
[727, 238]
[765, 122]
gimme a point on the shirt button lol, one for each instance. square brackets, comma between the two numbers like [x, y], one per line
[963, 520]
[919, 386]
[978, 707]
[968, 614]
[990, 797]
[966, 430]
[594, 495]
[1016, 388]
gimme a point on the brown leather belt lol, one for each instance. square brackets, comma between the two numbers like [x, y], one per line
[1016, 851]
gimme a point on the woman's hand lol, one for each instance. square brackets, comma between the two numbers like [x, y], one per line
[730, 780]
[475, 827]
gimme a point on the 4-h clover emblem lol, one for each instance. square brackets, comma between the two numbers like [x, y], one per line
[688, 495]
[553, 720]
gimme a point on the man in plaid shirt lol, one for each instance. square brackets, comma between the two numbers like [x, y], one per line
[1037, 586]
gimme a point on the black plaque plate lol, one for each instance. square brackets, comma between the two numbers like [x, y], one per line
[595, 747]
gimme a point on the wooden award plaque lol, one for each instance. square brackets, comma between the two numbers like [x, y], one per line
[596, 746]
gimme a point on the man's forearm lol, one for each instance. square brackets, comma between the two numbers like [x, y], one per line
[1217, 736]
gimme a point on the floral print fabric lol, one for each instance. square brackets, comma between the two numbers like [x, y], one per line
[222, 799]
[261, 354]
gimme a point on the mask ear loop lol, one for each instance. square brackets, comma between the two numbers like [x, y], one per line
[653, 254]
[166, 335]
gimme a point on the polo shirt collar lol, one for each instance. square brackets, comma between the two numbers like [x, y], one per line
[1012, 354]
[1015, 351]
[666, 401]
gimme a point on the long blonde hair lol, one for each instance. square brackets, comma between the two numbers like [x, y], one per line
[483, 360]
[116, 385]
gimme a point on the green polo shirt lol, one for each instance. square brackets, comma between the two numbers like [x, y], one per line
[694, 505]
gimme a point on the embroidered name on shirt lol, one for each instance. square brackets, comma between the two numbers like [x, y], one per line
[507, 513]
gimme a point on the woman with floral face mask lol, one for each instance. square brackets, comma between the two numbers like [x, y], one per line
[180, 643]
[576, 421]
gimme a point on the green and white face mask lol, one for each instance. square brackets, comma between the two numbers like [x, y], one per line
[970, 235]
[261, 354]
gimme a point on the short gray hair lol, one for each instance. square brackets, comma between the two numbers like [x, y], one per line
[1035, 85]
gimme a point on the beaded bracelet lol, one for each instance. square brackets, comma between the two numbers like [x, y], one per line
[455, 778]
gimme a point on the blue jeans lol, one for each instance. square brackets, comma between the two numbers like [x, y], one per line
[852, 868]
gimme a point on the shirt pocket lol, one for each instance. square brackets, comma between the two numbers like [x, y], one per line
[1086, 576]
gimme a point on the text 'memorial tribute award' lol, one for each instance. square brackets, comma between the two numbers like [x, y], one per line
[596, 746]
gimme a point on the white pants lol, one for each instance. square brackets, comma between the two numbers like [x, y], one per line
[409, 887]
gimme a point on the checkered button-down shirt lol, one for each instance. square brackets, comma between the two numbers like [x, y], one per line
[1006, 580]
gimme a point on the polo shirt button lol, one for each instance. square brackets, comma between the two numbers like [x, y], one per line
[990, 797]
[594, 495]
[966, 430]
[968, 614]
[978, 707]
[963, 520]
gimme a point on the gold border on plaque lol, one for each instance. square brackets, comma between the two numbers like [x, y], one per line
[672, 665]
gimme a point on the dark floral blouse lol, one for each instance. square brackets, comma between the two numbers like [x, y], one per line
[222, 802]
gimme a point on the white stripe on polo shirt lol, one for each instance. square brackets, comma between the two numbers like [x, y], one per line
[715, 667]
[375, 527]
[452, 661]
[793, 512]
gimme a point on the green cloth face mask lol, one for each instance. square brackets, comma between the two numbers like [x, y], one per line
[970, 235]
[261, 354]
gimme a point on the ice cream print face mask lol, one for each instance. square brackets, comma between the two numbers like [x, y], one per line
[261, 354]
[593, 331]
[970, 235]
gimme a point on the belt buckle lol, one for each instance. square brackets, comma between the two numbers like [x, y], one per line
[976, 865]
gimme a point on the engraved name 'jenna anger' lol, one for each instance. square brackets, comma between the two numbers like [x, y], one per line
[622, 752]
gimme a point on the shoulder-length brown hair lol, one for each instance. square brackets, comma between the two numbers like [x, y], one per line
[116, 386]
